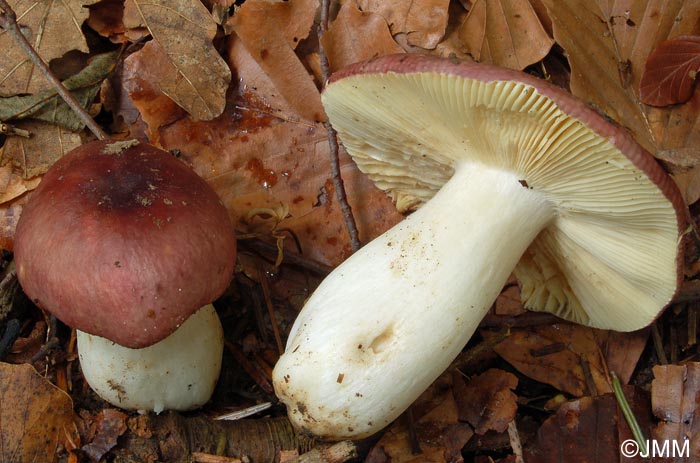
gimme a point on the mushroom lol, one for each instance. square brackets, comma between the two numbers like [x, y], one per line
[514, 176]
[124, 242]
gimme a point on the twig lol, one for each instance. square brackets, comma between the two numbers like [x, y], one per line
[658, 344]
[336, 453]
[515, 444]
[338, 183]
[8, 21]
[628, 414]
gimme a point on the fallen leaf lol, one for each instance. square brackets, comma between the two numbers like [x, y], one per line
[422, 21]
[262, 154]
[557, 355]
[675, 401]
[34, 155]
[35, 418]
[52, 28]
[12, 185]
[487, 401]
[139, 79]
[670, 71]
[606, 68]
[356, 36]
[589, 430]
[194, 75]
[256, 24]
[506, 33]
[106, 18]
[439, 433]
[9, 215]
[47, 106]
[508, 301]
[105, 430]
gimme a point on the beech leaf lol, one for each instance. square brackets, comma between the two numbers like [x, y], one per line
[507, 33]
[423, 21]
[52, 28]
[35, 416]
[47, 106]
[675, 399]
[670, 72]
[195, 76]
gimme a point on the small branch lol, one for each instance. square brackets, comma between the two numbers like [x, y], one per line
[338, 183]
[8, 21]
[515, 444]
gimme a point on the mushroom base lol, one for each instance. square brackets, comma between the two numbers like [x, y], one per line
[177, 373]
[389, 320]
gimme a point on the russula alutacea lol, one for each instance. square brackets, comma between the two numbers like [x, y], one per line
[514, 176]
[124, 242]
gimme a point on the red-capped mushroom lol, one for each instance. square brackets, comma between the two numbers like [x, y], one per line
[124, 242]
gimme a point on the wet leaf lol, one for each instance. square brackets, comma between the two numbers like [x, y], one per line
[193, 74]
[261, 153]
[670, 71]
[675, 399]
[53, 29]
[506, 33]
[35, 418]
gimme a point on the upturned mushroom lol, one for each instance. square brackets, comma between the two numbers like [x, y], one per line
[126, 243]
[515, 176]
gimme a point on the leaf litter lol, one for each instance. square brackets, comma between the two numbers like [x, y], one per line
[236, 94]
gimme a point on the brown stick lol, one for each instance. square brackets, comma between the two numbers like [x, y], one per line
[338, 183]
[8, 21]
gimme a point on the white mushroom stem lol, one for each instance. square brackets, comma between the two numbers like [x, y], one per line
[177, 373]
[389, 320]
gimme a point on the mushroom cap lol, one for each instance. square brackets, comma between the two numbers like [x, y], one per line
[610, 259]
[124, 241]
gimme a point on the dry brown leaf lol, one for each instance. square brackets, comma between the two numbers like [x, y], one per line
[139, 77]
[554, 355]
[12, 185]
[422, 21]
[106, 18]
[261, 154]
[589, 430]
[607, 66]
[53, 28]
[439, 432]
[109, 424]
[675, 399]
[35, 418]
[506, 33]
[9, 215]
[487, 401]
[670, 71]
[194, 75]
[34, 155]
[257, 25]
[357, 36]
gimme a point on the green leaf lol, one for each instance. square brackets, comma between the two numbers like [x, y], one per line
[47, 106]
